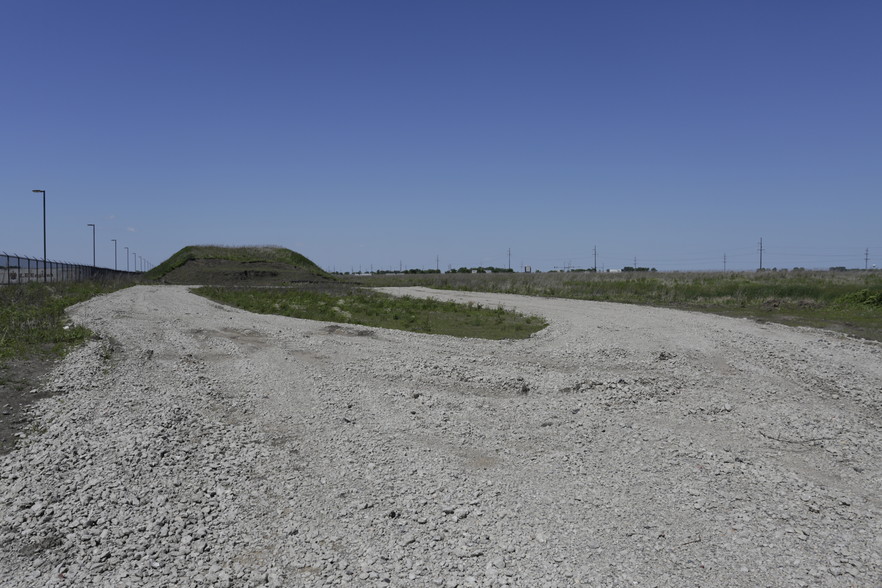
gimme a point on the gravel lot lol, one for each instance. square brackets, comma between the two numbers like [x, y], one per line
[199, 445]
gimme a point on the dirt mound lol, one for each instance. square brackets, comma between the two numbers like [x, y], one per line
[232, 266]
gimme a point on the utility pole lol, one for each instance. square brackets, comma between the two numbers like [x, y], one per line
[635, 262]
[509, 258]
[866, 258]
[437, 267]
[761, 252]
[127, 258]
[595, 259]
[724, 263]
[43, 192]
[93, 242]
[114, 254]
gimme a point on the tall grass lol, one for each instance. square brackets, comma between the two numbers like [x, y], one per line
[846, 301]
[727, 289]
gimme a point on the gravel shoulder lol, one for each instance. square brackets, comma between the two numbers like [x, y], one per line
[199, 445]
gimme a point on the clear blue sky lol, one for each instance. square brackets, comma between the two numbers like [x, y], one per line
[379, 133]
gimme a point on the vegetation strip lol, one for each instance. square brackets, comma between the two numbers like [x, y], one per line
[348, 304]
[32, 319]
[845, 301]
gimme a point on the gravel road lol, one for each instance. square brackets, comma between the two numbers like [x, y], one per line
[200, 445]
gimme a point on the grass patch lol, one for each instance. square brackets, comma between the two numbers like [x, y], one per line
[32, 319]
[847, 301]
[340, 303]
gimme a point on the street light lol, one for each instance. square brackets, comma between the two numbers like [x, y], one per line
[44, 230]
[127, 258]
[93, 243]
[114, 254]
[135, 260]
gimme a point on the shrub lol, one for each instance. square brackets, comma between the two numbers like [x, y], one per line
[865, 296]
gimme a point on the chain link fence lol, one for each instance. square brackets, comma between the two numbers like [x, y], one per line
[18, 269]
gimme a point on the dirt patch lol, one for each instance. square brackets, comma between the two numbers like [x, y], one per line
[19, 388]
[347, 331]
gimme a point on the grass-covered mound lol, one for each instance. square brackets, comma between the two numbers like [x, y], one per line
[219, 265]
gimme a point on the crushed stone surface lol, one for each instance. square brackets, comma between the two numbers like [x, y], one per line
[200, 445]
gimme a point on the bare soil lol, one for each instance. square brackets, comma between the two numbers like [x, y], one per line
[21, 384]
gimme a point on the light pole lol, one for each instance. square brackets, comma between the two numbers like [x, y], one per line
[93, 242]
[114, 254]
[44, 230]
[127, 258]
[135, 260]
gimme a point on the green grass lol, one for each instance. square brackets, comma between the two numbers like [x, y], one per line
[255, 254]
[849, 301]
[347, 304]
[32, 319]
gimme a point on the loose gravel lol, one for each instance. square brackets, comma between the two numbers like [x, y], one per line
[199, 445]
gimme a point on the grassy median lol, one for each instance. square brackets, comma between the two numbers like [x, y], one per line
[342, 303]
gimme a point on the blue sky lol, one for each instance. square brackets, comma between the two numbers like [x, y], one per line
[378, 133]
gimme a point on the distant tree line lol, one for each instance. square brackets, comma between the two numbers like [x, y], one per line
[419, 271]
[480, 270]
